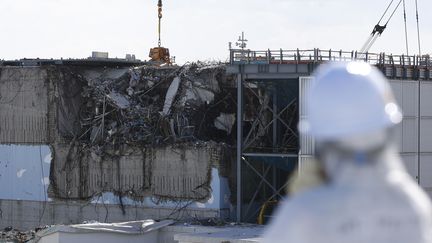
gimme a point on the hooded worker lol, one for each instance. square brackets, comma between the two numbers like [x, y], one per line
[368, 196]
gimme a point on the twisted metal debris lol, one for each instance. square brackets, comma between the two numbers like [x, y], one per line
[155, 105]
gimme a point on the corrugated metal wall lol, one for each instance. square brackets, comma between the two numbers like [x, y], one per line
[23, 105]
[425, 166]
[407, 94]
[307, 145]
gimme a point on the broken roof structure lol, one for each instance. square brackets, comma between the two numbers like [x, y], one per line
[128, 117]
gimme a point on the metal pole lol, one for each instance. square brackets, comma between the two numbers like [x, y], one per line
[275, 116]
[239, 139]
[418, 131]
[418, 29]
[406, 31]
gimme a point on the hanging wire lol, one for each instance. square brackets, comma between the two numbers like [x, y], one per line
[406, 30]
[418, 29]
[378, 28]
[160, 17]
[397, 6]
[385, 11]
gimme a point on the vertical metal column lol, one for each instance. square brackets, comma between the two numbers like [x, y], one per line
[418, 132]
[239, 140]
[275, 127]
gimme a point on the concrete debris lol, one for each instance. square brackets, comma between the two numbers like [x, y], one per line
[170, 95]
[144, 105]
[153, 105]
[118, 100]
[10, 234]
[115, 125]
[225, 122]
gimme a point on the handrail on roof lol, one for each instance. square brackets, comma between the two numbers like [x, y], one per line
[317, 55]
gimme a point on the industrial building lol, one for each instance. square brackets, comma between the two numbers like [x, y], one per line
[109, 140]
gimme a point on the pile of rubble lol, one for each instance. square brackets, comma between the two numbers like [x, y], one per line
[10, 234]
[151, 105]
[111, 120]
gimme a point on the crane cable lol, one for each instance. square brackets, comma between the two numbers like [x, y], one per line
[397, 6]
[418, 29]
[406, 31]
[378, 29]
[160, 17]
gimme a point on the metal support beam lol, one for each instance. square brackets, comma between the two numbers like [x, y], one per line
[275, 128]
[239, 140]
[266, 130]
[270, 155]
[275, 110]
[260, 176]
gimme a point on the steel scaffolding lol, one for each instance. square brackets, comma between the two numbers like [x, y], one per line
[266, 131]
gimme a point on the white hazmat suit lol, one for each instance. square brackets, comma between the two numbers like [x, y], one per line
[369, 197]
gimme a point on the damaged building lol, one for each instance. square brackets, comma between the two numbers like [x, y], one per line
[116, 141]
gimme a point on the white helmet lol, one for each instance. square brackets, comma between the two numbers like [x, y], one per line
[349, 99]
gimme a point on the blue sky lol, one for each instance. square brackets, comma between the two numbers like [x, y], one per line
[200, 29]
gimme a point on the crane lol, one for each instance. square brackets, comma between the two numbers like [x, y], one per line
[160, 54]
[379, 28]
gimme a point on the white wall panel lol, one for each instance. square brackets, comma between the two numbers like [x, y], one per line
[409, 135]
[409, 102]
[399, 136]
[426, 130]
[396, 86]
[411, 163]
[426, 171]
[304, 162]
[426, 99]
[426, 135]
[24, 172]
[406, 94]
[307, 144]
[305, 84]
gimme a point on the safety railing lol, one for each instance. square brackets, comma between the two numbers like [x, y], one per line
[238, 56]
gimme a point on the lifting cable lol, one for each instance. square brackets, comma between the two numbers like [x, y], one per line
[379, 29]
[418, 29]
[160, 17]
[385, 11]
[406, 31]
[397, 6]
